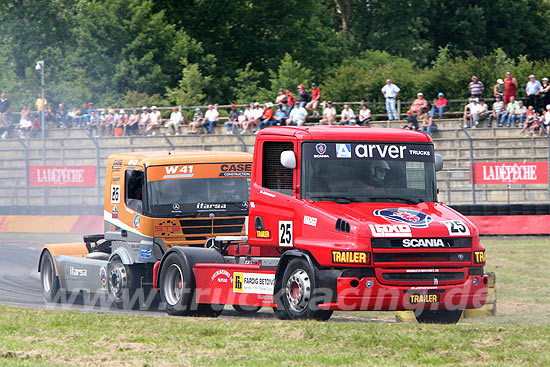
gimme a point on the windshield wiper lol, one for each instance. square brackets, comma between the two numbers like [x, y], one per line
[404, 200]
[334, 197]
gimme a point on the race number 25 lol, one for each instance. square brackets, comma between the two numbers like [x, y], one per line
[285, 233]
[115, 194]
[457, 228]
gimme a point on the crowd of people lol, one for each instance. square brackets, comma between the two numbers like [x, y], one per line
[289, 109]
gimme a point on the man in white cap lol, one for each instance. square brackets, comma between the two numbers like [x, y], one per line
[532, 89]
[143, 120]
[498, 89]
[154, 120]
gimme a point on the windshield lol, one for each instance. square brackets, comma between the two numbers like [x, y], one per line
[198, 190]
[368, 172]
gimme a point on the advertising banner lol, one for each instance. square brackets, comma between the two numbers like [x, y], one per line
[62, 175]
[511, 173]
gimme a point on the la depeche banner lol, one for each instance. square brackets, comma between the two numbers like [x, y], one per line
[510, 173]
[62, 175]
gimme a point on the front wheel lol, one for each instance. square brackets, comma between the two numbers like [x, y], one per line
[50, 281]
[247, 310]
[438, 316]
[122, 283]
[298, 293]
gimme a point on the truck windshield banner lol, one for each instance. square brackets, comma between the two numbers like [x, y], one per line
[368, 151]
[62, 175]
[510, 173]
[199, 170]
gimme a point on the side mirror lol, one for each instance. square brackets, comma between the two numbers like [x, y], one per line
[288, 159]
[438, 162]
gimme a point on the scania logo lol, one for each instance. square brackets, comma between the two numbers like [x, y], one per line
[423, 242]
[321, 148]
[414, 218]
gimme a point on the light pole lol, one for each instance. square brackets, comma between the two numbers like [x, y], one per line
[40, 66]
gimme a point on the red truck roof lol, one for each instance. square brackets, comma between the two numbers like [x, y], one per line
[350, 133]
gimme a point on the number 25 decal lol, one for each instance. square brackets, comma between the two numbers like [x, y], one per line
[457, 228]
[285, 233]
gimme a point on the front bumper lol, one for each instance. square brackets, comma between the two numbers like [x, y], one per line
[368, 294]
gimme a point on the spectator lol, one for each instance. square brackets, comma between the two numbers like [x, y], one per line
[481, 114]
[510, 110]
[289, 102]
[248, 115]
[469, 111]
[530, 119]
[120, 123]
[86, 114]
[210, 119]
[329, 114]
[544, 94]
[281, 97]
[49, 117]
[280, 116]
[315, 98]
[4, 103]
[25, 123]
[428, 125]
[498, 89]
[256, 115]
[303, 95]
[441, 105]
[412, 121]
[419, 103]
[132, 124]
[297, 115]
[106, 123]
[93, 123]
[39, 102]
[390, 92]
[174, 123]
[364, 115]
[197, 120]
[155, 119]
[532, 89]
[476, 87]
[498, 111]
[143, 120]
[546, 121]
[241, 120]
[233, 121]
[347, 116]
[61, 117]
[267, 118]
[510, 86]
[520, 114]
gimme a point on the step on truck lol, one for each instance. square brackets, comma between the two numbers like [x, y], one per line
[340, 218]
[153, 201]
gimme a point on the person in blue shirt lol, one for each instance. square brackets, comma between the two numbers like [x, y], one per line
[280, 116]
[532, 89]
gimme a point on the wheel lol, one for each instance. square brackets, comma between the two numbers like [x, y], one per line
[176, 286]
[298, 293]
[208, 310]
[122, 283]
[247, 310]
[438, 316]
[50, 281]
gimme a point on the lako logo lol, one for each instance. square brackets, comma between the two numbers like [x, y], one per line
[390, 230]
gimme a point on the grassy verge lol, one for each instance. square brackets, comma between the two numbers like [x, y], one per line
[38, 337]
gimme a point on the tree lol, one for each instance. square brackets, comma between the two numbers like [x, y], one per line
[191, 87]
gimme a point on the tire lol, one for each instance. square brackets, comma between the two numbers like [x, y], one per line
[438, 317]
[122, 282]
[208, 310]
[247, 310]
[176, 286]
[298, 291]
[50, 281]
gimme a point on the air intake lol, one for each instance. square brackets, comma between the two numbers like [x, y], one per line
[342, 226]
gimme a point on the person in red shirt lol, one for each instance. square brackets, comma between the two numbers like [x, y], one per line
[441, 105]
[289, 102]
[315, 98]
[510, 86]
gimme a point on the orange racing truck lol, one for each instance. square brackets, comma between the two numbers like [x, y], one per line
[340, 218]
[154, 201]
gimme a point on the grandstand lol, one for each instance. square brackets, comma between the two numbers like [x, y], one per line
[74, 147]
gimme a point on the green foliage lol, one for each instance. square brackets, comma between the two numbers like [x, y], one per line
[289, 75]
[246, 84]
[191, 87]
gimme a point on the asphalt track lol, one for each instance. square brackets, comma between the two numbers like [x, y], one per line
[20, 286]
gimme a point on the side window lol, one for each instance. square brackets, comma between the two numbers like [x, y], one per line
[275, 176]
[134, 186]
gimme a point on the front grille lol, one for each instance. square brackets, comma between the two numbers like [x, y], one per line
[422, 243]
[423, 277]
[422, 257]
[200, 229]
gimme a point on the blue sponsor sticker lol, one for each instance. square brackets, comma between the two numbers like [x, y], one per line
[145, 254]
[413, 218]
[343, 150]
[137, 221]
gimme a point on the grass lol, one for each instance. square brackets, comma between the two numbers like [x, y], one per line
[518, 335]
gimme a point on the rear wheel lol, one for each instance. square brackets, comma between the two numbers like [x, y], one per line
[122, 283]
[176, 286]
[50, 281]
[247, 310]
[438, 316]
[298, 294]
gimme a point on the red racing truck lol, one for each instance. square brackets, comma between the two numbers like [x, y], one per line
[340, 218]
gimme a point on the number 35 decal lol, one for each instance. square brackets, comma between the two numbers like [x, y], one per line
[285, 233]
[457, 228]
